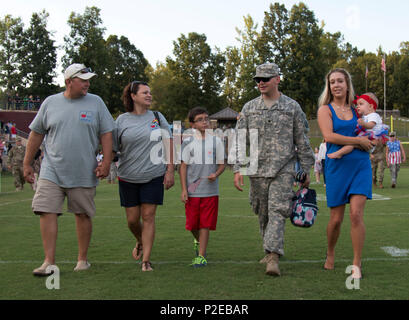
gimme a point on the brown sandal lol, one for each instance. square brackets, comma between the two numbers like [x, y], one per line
[147, 266]
[137, 251]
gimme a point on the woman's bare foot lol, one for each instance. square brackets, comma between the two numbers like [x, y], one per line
[147, 266]
[356, 272]
[329, 262]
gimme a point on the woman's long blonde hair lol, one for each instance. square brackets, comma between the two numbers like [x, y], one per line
[326, 96]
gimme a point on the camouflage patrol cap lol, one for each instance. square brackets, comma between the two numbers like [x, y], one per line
[267, 70]
[18, 139]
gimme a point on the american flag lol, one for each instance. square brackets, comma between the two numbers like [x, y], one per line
[383, 64]
[394, 155]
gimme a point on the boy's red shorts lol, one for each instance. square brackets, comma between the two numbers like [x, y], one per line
[201, 213]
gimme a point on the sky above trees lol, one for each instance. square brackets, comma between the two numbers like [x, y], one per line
[195, 72]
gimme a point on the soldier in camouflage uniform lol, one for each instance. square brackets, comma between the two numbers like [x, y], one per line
[378, 163]
[15, 163]
[282, 127]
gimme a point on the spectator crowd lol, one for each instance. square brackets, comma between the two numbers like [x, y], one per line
[29, 102]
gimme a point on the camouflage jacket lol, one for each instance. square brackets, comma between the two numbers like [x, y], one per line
[379, 151]
[16, 156]
[281, 129]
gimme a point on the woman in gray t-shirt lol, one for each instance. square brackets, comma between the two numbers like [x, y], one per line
[143, 169]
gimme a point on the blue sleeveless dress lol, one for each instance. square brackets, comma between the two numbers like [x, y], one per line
[352, 174]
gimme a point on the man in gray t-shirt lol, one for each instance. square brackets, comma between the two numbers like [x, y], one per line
[71, 124]
[72, 130]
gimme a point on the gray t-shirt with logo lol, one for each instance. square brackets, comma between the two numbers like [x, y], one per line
[139, 140]
[202, 157]
[72, 129]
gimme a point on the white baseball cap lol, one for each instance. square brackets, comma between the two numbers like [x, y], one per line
[78, 70]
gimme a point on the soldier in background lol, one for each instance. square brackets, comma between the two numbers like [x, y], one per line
[37, 167]
[378, 162]
[1, 155]
[218, 132]
[282, 127]
[15, 164]
[113, 172]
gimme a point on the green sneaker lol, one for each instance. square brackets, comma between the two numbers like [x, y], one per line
[196, 246]
[198, 262]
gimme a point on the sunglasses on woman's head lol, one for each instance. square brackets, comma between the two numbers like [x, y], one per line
[137, 82]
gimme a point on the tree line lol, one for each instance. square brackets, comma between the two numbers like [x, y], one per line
[196, 74]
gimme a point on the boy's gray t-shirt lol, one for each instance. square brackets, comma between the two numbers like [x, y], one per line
[72, 129]
[202, 157]
[139, 140]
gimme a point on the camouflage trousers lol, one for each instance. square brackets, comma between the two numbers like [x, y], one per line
[378, 167]
[18, 175]
[271, 200]
[113, 172]
[394, 169]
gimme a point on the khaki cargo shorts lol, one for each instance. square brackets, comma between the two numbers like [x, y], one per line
[49, 198]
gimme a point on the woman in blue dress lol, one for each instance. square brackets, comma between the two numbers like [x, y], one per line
[348, 179]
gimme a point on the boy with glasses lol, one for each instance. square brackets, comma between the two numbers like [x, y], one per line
[202, 164]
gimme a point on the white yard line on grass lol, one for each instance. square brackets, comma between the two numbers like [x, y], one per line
[221, 216]
[396, 252]
[212, 262]
[15, 202]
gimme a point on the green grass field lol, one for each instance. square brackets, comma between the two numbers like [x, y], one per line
[234, 250]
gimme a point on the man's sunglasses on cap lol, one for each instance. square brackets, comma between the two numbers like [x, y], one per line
[259, 79]
[82, 71]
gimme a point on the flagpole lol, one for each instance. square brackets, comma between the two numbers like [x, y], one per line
[366, 78]
[366, 85]
[384, 89]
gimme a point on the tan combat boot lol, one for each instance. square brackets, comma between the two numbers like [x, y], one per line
[264, 260]
[272, 264]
